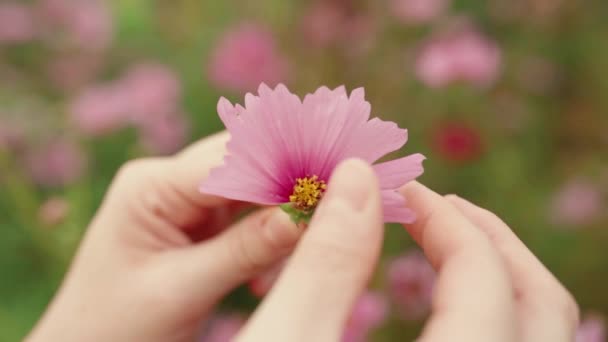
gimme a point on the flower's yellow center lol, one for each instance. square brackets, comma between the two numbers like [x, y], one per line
[307, 192]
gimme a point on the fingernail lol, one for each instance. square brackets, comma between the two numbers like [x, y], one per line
[281, 230]
[351, 183]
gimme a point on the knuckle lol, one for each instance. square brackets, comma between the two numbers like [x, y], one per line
[137, 188]
[133, 170]
[561, 305]
[566, 304]
[246, 258]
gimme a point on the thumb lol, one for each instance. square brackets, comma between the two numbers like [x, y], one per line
[330, 267]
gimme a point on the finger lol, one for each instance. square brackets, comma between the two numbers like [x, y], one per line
[165, 190]
[330, 267]
[212, 268]
[473, 296]
[549, 311]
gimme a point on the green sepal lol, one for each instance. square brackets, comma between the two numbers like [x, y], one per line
[296, 215]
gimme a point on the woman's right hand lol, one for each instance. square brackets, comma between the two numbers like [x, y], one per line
[490, 286]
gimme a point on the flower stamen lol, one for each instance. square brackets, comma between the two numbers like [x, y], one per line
[307, 192]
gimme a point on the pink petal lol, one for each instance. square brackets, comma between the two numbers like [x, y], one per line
[396, 173]
[276, 138]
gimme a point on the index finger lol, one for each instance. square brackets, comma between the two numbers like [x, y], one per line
[192, 165]
[473, 298]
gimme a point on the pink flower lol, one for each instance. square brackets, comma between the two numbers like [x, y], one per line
[58, 163]
[283, 150]
[577, 202]
[101, 109]
[457, 142]
[11, 137]
[53, 211]
[418, 11]
[17, 23]
[328, 23]
[153, 90]
[87, 24]
[591, 329]
[147, 96]
[164, 134]
[245, 57]
[71, 71]
[411, 279]
[322, 23]
[368, 314]
[223, 328]
[461, 56]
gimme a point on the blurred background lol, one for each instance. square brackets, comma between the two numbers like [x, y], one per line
[507, 98]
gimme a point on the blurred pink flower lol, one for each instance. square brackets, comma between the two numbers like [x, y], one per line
[457, 141]
[223, 328]
[164, 134]
[411, 279]
[368, 314]
[10, 136]
[153, 90]
[58, 163]
[53, 211]
[292, 164]
[591, 329]
[418, 11]
[578, 202]
[101, 109]
[327, 23]
[148, 96]
[87, 24]
[245, 57]
[322, 23]
[17, 23]
[72, 71]
[461, 56]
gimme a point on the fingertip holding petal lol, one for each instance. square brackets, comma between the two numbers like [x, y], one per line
[395, 173]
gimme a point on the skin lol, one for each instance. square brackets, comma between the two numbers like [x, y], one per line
[159, 255]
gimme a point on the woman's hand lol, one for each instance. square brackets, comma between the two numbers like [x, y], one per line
[490, 286]
[159, 255]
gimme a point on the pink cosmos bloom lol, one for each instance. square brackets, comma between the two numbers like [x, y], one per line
[328, 23]
[368, 314]
[164, 134]
[591, 329]
[322, 24]
[153, 90]
[283, 150]
[411, 279]
[11, 137]
[87, 24]
[53, 211]
[17, 23]
[578, 202]
[462, 56]
[457, 141]
[70, 71]
[245, 57]
[101, 109]
[418, 11]
[223, 328]
[56, 164]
